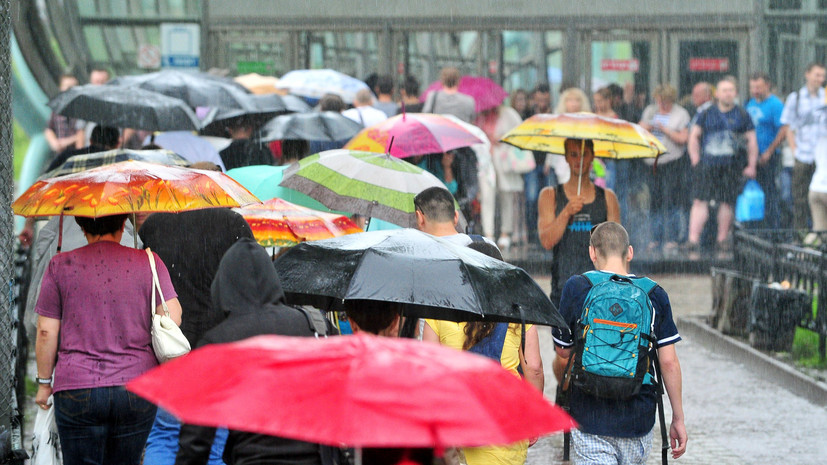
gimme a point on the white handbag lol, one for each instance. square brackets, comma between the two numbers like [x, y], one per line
[45, 441]
[168, 341]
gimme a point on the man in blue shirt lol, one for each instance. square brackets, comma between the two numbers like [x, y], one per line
[722, 149]
[765, 110]
[614, 431]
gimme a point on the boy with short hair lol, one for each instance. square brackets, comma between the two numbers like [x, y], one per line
[619, 431]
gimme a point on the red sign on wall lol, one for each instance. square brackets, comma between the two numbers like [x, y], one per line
[709, 64]
[611, 64]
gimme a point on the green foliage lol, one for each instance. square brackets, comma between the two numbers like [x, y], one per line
[21, 144]
[805, 349]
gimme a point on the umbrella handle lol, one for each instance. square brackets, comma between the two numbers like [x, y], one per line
[60, 232]
[582, 156]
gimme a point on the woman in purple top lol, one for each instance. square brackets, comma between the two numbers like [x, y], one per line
[97, 299]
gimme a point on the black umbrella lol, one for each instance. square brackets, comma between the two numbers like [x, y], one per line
[125, 108]
[78, 163]
[196, 89]
[258, 110]
[435, 277]
[316, 126]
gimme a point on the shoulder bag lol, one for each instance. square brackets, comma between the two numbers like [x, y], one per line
[168, 341]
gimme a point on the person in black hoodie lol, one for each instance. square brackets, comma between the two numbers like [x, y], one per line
[248, 290]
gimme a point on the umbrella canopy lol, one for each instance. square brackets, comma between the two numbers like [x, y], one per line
[487, 94]
[279, 223]
[317, 126]
[435, 277]
[194, 88]
[259, 109]
[125, 108]
[374, 392]
[190, 146]
[613, 138]
[373, 185]
[263, 181]
[131, 187]
[314, 83]
[88, 161]
[258, 84]
[413, 134]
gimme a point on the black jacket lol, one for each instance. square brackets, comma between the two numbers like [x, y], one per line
[191, 244]
[248, 290]
[245, 152]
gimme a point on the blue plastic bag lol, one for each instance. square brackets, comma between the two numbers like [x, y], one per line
[750, 204]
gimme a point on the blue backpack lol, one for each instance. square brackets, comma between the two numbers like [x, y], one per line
[614, 340]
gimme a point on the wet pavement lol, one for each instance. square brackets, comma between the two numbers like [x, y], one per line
[733, 415]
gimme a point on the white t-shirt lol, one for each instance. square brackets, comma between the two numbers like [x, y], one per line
[819, 181]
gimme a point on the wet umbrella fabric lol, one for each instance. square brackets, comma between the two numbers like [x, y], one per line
[131, 187]
[196, 89]
[259, 109]
[85, 162]
[125, 108]
[279, 223]
[435, 277]
[258, 84]
[487, 94]
[373, 185]
[613, 138]
[314, 83]
[413, 134]
[373, 392]
[263, 181]
[315, 126]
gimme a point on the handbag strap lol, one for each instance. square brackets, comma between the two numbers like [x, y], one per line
[156, 284]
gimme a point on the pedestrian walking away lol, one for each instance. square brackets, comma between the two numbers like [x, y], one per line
[616, 412]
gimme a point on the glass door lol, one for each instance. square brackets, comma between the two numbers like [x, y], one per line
[623, 58]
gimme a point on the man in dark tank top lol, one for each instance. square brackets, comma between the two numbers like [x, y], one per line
[567, 214]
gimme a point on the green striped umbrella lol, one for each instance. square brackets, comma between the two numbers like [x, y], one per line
[374, 185]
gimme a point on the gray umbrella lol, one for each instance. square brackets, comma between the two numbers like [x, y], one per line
[316, 126]
[433, 277]
[258, 110]
[196, 89]
[125, 108]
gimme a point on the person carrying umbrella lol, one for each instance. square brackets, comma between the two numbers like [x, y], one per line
[243, 151]
[568, 212]
[502, 343]
[248, 290]
[436, 215]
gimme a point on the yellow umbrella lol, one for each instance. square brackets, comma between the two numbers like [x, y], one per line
[613, 138]
[258, 84]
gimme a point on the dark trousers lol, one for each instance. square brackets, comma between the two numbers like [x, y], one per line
[666, 199]
[802, 175]
[106, 426]
[767, 176]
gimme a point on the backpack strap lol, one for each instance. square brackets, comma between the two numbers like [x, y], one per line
[664, 448]
[316, 320]
[476, 238]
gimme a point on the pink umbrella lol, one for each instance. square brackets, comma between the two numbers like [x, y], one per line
[487, 94]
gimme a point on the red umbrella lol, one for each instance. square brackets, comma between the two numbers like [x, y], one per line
[413, 134]
[487, 93]
[361, 391]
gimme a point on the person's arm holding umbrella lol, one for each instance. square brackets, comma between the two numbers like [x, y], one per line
[552, 226]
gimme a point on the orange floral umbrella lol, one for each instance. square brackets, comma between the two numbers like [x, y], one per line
[613, 138]
[131, 187]
[279, 223]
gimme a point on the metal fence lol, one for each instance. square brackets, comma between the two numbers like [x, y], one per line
[11, 444]
[778, 255]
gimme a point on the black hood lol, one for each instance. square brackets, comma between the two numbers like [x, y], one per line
[246, 281]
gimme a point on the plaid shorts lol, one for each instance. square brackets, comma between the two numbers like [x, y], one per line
[590, 449]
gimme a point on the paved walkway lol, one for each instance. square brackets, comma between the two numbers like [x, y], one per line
[733, 415]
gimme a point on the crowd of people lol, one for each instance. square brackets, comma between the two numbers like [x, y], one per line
[221, 287]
